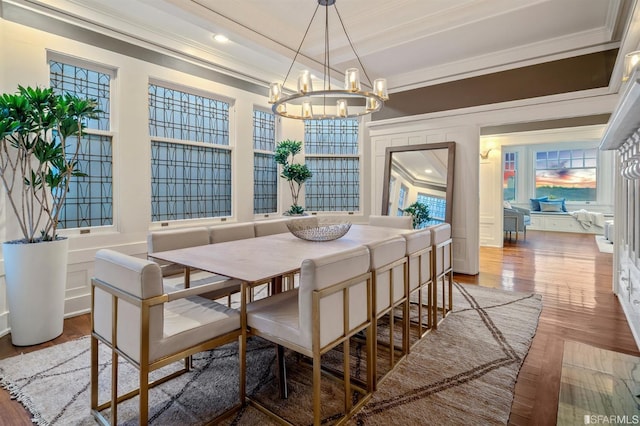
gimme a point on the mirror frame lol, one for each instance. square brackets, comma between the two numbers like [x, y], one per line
[450, 146]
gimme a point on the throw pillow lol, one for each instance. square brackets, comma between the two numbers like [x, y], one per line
[563, 208]
[551, 206]
[535, 203]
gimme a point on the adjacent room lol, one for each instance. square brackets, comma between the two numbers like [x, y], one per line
[319, 212]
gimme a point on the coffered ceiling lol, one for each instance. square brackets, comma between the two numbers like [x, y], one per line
[413, 43]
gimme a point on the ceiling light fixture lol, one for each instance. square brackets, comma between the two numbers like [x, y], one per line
[328, 103]
[221, 38]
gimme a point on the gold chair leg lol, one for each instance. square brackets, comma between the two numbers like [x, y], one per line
[114, 387]
[434, 306]
[392, 350]
[316, 390]
[406, 326]
[430, 305]
[242, 353]
[419, 313]
[374, 359]
[144, 395]
[347, 376]
[450, 291]
[371, 360]
[94, 373]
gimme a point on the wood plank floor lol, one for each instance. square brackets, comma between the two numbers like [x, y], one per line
[574, 279]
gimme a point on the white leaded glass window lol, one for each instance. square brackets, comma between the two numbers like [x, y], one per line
[437, 209]
[265, 169]
[332, 153]
[89, 201]
[402, 199]
[190, 155]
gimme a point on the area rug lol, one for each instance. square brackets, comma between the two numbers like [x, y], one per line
[463, 373]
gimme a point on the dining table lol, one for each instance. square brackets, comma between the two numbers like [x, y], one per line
[270, 258]
[262, 258]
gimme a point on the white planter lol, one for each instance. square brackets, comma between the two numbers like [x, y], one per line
[36, 276]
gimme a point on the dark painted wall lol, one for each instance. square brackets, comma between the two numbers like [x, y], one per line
[562, 76]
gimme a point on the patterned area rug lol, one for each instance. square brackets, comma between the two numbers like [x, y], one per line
[463, 373]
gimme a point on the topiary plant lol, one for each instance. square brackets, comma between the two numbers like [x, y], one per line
[295, 173]
[419, 213]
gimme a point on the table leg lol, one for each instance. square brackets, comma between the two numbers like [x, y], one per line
[282, 373]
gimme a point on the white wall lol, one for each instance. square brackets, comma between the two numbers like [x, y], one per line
[463, 127]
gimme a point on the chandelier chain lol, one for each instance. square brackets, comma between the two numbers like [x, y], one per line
[364, 71]
[327, 74]
[300, 46]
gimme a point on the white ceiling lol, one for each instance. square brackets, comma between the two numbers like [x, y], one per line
[413, 43]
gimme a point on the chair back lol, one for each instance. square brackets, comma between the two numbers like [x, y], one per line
[270, 227]
[401, 222]
[224, 233]
[419, 257]
[321, 274]
[441, 241]
[137, 277]
[388, 261]
[173, 240]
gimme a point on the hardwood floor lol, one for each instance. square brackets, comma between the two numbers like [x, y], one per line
[570, 273]
[574, 279]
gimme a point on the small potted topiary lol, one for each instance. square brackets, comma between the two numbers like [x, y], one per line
[419, 213]
[296, 174]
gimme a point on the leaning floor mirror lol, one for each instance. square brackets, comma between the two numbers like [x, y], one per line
[420, 174]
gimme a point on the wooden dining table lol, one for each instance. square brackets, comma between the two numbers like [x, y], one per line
[270, 258]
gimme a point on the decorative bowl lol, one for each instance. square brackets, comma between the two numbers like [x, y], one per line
[322, 232]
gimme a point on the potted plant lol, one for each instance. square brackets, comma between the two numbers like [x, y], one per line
[39, 147]
[419, 213]
[295, 173]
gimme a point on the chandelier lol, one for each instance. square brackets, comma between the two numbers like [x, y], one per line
[327, 102]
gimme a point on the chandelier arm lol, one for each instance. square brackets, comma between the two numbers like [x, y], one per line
[300, 46]
[364, 71]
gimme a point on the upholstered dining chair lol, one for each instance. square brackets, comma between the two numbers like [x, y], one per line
[270, 227]
[140, 323]
[238, 231]
[401, 222]
[443, 265]
[390, 291]
[177, 276]
[420, 276]
[332, 304]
